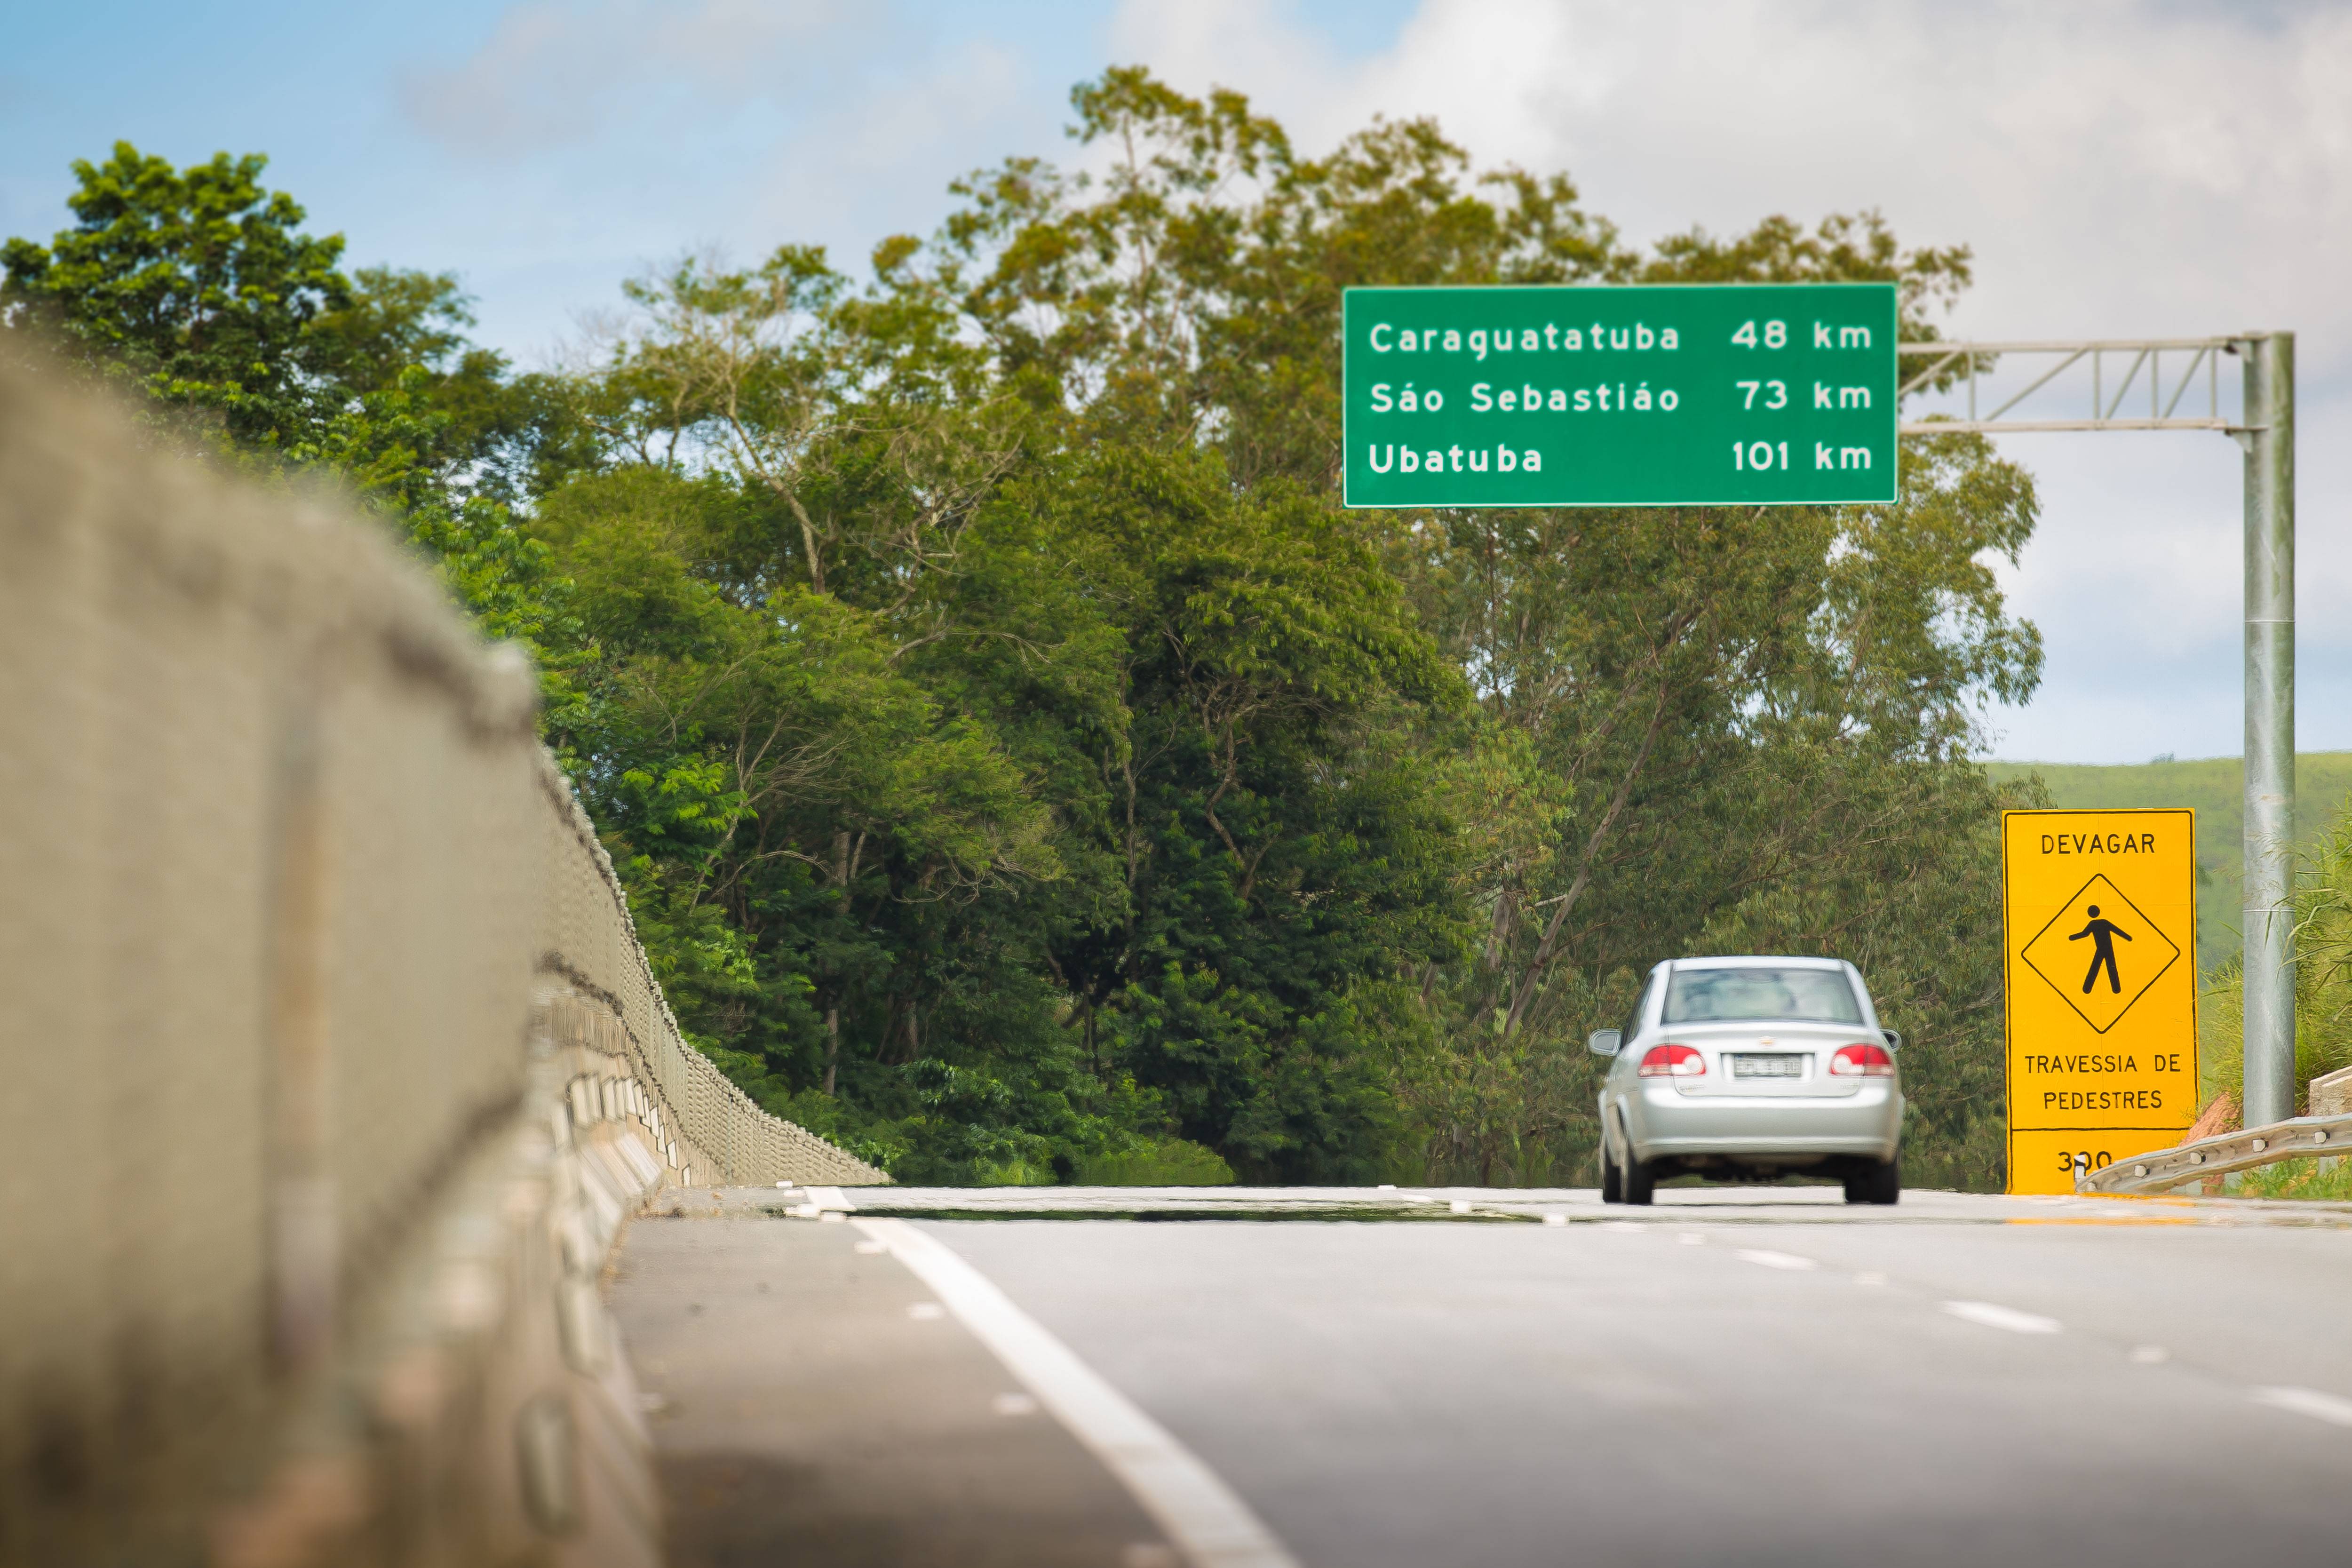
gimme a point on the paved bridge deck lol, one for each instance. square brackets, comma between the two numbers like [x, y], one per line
[1749, 1377]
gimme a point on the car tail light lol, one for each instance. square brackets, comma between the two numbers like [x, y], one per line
[1862, 1061]
[1673, 1061]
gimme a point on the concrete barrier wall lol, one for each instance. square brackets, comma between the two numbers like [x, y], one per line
[329, 1065]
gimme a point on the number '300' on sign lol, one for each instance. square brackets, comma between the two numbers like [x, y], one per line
[1654, 396]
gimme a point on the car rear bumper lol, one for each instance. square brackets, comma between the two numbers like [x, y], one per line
[1659, 1122]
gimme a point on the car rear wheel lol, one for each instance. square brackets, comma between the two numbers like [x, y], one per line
[1612, 1181]
[1876, 1183]
[1640, 1181]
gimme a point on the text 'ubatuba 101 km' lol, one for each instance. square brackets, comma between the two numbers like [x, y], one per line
[1654, 396]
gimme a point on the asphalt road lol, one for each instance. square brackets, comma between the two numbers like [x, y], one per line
[1729, 1378]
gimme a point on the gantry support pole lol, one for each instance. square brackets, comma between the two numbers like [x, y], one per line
[2269, 441]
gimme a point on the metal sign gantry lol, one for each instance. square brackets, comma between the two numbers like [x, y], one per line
[2266, 433]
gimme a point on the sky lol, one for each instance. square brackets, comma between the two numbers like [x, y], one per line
[2120, 168]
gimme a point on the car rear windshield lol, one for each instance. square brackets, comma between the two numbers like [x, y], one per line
[1723, 995]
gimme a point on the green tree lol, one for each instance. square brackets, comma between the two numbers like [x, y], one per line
[198, 289]
[1281, 853]
[1020, 763]
[1697, 710]
[197, 283]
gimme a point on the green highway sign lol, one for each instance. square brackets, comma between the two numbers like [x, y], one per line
[1673, 394]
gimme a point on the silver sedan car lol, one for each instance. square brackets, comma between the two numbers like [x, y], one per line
[1749, 1069]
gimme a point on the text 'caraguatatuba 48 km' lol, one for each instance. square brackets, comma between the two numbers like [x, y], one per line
[1681, 394]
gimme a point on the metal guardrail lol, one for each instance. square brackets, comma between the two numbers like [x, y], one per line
[2304, 1137]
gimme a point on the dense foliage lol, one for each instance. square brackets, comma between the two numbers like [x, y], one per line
[2322, 912]
[1021, 765]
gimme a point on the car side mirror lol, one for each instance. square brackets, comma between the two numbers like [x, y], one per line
[1894, 1040]
[1604, 1042]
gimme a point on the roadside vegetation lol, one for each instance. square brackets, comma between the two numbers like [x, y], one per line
[2323, 981]
[2303, 1181]
[2323, 928]
[1021, 766]
[2215, 788]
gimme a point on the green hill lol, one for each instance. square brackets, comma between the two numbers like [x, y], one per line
[2214, 786]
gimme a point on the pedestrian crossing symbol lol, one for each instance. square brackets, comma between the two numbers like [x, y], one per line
[2101, 953]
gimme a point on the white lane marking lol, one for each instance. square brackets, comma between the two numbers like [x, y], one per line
[1870, 1277]
[2328, 1407]
[1998, 1316]
[1553, 1217]
[1210, 1525]
[1692, 1239]
[1771, 1259]
[1459, 1205]
[828, 1198]
[2150, 1356]
[926, 1311]
[1014, 1405]
[1622, 1225]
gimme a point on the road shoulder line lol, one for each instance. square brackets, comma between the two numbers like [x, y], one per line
[2331, 1408]
[1203, 1517]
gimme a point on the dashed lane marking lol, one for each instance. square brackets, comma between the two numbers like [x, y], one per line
[1210, 1526]
[1998, 1316]
[1771, 1259]
[2328, 1407]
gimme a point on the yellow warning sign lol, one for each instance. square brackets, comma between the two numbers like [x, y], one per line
[2099, 933]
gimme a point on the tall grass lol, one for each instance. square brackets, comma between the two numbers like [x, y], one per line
[2307, 1180]
[2323, 980]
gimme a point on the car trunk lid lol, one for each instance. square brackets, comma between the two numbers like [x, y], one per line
[1767, 1059]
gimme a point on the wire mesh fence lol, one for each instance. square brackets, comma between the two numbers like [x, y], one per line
[287, 883]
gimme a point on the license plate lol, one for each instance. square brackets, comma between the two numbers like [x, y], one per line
[1768, 1067]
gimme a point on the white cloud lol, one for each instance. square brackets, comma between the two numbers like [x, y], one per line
[553, 73]
[2110, 158]
[598, 138]
[2119, 168]
[919, 131]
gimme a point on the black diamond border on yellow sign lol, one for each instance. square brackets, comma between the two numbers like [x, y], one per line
[2024, 952]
